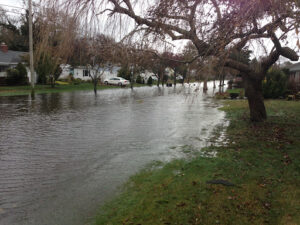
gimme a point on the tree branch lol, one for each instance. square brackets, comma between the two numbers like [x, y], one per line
[274, 56]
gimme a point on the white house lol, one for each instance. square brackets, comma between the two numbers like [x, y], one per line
[109, 72]
[294, 76]
[145, 75]
[66, 70]
[10, 59]
[83, 73]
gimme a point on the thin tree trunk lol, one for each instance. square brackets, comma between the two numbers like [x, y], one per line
[175, 74]
[253, 88]
[131, 79]
[158, 81]
[223, 80]
[214, 84]
[95, 86]
[52, 82]
[205, 85]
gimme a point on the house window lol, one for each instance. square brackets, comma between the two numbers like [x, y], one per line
[86, 73]
[3, 68]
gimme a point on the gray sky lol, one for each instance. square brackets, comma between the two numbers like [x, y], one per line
[12, 2]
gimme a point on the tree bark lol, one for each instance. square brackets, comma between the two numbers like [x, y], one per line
[253, 88]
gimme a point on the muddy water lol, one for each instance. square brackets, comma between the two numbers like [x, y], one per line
[62, 155]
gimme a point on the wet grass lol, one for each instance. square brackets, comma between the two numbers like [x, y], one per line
[262, 160]
[41, 89]
[235, 90]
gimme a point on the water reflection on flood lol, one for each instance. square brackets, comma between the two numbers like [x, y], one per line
[62, 155]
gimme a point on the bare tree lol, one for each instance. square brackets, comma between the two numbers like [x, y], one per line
[100, 56]
[216, 28]
[229, 26]
[55, 33]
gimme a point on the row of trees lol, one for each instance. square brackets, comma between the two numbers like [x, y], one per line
[219, 34]
[216, 28]
[58, 39]
[54, 32]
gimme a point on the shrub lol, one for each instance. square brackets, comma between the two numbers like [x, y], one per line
[77, 81]
[139, 79]
[17, 76]
[22, 72]
[150, 81]
[70, 78]
[222, 95]
[125, 73]
[165, 78]
[275, 84]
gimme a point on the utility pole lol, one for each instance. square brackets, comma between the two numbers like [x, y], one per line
[32, 77]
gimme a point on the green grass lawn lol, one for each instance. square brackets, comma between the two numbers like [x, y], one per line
[235, 90]
[39, 89]
[262, 160]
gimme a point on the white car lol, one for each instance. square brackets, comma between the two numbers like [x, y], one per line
[116, 81]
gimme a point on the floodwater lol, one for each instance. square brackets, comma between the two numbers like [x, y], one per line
[63, 155]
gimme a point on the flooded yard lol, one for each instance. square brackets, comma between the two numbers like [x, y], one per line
[63, 155]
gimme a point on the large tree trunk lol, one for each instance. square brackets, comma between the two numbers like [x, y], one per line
[253, 88]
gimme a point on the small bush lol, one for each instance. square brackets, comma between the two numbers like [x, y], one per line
[17, 76]
[222, 95]
[275, 85]
[125, 73]
[165, 78]
[139, 79]
[70, 78]
[150, 81]
[77, 81]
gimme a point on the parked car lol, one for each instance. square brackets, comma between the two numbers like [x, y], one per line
[116, 81]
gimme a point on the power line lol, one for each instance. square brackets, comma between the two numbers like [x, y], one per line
[16, 7]
[14, 12]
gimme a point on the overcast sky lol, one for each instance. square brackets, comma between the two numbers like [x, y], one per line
[12, 6]
[12, 2]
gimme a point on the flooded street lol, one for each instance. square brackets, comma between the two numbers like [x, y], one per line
[63, 155]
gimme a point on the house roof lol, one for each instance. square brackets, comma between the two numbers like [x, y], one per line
[295, 67]
[11, 57]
